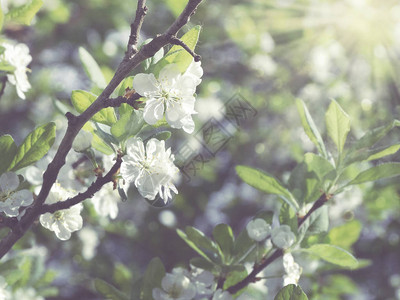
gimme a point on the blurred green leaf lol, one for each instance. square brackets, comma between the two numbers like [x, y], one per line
[178, 55]
[319, 165]
[34, 147]
[333, 254]
[316, 223]
[25, 13]
[204, 243]
[225, 239]
[128, 125]
[82, 100]
[378, 172]
[1, 18]
[288, 216]
[92, 69]
[291, 292]
[345, 235]
[176, 6]
[193, 245]
[265, 183]
[108, 291]
[337, 124]
[310, 128]
[8, 149]
[304, 185]
[155, 272]
[385, 152]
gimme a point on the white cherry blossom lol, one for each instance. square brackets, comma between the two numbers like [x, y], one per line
[151, 169]
[172, 93]
[106, 201]
[175, 285]
[11, 199]
[64, 221]
[17, 56]
[292, 270]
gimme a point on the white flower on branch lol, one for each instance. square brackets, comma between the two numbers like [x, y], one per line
[18, 57]
[171, 93]
[282, 237]
[292, 270]
[151, 170]
[258, 229]
[106, 201]
[175, 285]
[11, 199]
[64, 221]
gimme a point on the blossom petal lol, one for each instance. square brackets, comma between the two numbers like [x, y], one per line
[144, 83]
[153, 111]
[9, 182]
[61, 232]
[169, 74]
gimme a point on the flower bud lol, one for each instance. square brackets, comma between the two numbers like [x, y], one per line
[258, 229]
[283, 237]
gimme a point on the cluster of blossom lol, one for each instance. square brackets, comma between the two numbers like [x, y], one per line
[150, 167]
[184, 285]
[283, 238]
[18, 57]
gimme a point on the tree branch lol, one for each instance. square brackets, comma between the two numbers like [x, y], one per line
[91, 190]
[75, 123]
[176, 41]
[141, 12]
[265, 261]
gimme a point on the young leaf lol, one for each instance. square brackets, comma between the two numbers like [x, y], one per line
[345, 235]
[8, 148]
[92, 69]
[108, 291]
[379, 153]
[288, 216]
[178, 55]
[128, 125]
[333, 254]
[291, 292]
[337, 124]
[97, 142]
[203, 242]
[82, 100]
[24, 14]
[310, 128]
[225, 239]
[192, 245]
[265, 183]
[152, 278]
[34, 147]
[377, 172]
[319, 165]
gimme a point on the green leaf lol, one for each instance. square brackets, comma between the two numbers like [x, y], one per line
[34, 147]
[319, 165]
[310, 128]
[377, 172]
[346, 235]
[202, 263]
[385, 152]
[203, 242]
[128, 125]
[92, 69]
[152, 278]
[108, 291]
[225, 239]
[82, 100]
[126, 83]
[304, 185]
[4, 66]
[333, 254]
[288, 216]
[316, 223]
[161, 136]
[244, 247]
[234, 277]
[178, 55]
[291, 292]
[192, 245]
[371, 137]
[265, 183]
[25, 13]
[337, 124]
[8, 148]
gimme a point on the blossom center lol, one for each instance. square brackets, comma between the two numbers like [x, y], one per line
[58, 215]
[5, 196]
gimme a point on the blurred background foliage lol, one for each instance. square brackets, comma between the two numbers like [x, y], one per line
[269, 52]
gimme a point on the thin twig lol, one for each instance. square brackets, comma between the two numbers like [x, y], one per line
[136, 26]
[176, 41]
